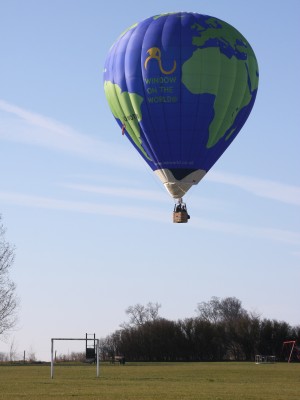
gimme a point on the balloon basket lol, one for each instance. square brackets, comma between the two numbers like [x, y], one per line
[180, 214]
[180, 217]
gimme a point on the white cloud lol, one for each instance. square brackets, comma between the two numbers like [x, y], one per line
[19, 125]
[135, 212]
[260, 187]
[275, 234]
[144, 213]
[122, 192]
[125, 192]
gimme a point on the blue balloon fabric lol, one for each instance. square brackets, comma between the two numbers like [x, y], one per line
[181, 86]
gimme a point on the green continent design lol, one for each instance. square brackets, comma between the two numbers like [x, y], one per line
[230, 80]
[126, 107]
[233, 38]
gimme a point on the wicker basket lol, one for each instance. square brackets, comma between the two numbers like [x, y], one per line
[180, 217]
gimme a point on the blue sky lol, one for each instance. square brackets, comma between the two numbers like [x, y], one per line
[90, 221]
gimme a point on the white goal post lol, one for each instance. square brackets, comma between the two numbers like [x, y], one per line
[52, 354]
[260, 359]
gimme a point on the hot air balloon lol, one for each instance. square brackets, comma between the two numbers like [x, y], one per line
[181, 86]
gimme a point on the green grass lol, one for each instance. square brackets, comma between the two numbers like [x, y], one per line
[165, 381]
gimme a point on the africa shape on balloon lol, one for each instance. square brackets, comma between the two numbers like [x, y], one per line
[181, 86]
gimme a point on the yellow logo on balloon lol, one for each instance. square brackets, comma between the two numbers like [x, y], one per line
[155, 53]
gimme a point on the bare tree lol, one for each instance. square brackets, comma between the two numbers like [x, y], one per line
[231, 309]
[139, 314]
[220, 310]
[31, 355]
[8, 299]
[12, 350]
[209, 310]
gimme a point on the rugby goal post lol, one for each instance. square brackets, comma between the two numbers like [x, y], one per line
[85, 339]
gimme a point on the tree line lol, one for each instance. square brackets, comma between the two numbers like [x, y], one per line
[222, 330]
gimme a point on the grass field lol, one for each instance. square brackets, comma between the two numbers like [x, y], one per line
[164, 381]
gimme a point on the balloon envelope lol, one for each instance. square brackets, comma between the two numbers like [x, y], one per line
[181, 86]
